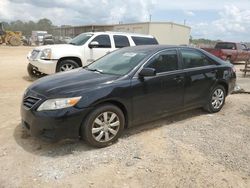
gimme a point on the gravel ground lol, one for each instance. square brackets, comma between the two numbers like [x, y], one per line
[191, 149]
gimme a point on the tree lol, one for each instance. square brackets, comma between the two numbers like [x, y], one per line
[44, 24]
[27, 27]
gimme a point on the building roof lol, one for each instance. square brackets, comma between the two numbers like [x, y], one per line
[169, 23]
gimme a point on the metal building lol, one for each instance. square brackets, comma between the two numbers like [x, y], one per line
[165, 32]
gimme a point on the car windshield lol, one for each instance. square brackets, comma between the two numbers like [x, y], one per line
[81, 39]
[119, 62]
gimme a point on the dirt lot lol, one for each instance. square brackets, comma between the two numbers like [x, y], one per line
[192, 149]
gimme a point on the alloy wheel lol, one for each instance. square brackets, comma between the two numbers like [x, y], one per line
[218, 98]
[105, 126]
[66, 67]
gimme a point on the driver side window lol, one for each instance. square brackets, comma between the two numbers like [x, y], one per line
[103, 40]
[164, 61]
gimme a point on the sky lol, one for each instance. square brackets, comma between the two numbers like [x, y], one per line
[227, 20]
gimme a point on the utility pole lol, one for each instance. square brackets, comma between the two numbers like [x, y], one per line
[150, 17]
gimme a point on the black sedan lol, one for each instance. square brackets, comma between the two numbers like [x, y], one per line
[125, 88]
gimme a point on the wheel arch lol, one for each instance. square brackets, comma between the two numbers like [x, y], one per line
[116, 103]
[224, 84]
[119, 105]
[74, 58]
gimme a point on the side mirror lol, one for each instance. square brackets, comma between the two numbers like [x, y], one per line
[147, 72]
[93, 44]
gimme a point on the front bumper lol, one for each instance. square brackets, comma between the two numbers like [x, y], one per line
[54, 125]
[44, 66]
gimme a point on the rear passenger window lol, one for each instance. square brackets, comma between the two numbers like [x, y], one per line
[164, 61]
[192, 59]
[228, 46]
[121, 41]
[103, 40]
[144, 41]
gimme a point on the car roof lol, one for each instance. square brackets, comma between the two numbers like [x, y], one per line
[152, 49]
[159, 47]
[122, 33]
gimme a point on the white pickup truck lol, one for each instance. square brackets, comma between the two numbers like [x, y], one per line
[81, 51]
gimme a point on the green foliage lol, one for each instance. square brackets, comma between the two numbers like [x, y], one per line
[203, 41]
[27, 27]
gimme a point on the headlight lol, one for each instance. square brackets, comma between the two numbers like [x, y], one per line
[55, 104]
[46, 54]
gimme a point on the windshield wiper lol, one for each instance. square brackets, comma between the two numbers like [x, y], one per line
[72, 43]
[94, 70]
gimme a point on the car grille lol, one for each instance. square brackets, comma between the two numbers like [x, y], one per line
[29, 102]
[34, 54]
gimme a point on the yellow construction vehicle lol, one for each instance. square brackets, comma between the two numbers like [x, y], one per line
[13, 38]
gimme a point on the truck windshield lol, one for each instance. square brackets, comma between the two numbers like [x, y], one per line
[80, 39]
[119, 62]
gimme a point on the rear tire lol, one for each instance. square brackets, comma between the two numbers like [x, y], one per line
[216, 99]
[33, 72]
[103, 126]
[66, 65]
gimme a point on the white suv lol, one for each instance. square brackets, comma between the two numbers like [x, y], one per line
[81, 51]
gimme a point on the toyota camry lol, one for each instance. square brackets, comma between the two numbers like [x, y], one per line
[127, 87]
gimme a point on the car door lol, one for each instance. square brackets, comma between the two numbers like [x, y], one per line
[160, 94]
[102, 48]
[200, 76]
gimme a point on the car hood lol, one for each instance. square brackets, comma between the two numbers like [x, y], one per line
[55, 47]
[62, 50]
[71, 82]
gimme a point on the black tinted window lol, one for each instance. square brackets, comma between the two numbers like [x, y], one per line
[144, 41]
[103, 40]
[164, 61]
[121, 41]
[193, 58]
[228, 46]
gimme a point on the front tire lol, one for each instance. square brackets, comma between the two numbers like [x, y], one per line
[103, 126]
[216, 99]
[66, 65]
[33, 72]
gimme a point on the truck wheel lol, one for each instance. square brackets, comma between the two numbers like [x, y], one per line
[66, 65]
[33, 72]
[103, 126]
